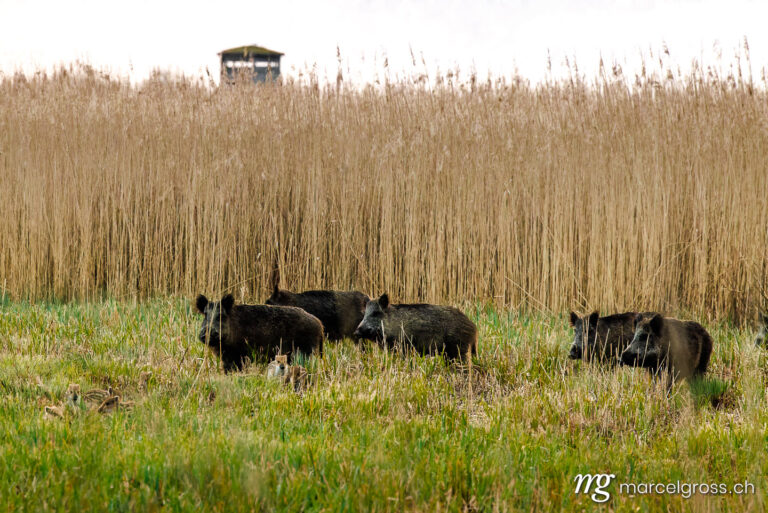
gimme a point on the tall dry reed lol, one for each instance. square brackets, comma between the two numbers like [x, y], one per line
[564, 195]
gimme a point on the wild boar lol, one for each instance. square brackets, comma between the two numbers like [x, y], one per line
[236, 332]
[278, 367]
[429, 329]
[340, 312]
[293, 375]
[601, 339]
[681, 348]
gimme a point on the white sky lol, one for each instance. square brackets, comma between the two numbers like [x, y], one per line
[133, 37]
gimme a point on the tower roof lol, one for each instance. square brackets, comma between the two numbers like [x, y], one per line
[246, 51]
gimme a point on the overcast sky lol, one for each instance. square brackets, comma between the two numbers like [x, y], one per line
[133, 37]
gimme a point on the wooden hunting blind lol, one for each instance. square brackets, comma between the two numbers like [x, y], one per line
[260, 63]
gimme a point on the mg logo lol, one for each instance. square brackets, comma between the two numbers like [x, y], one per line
[602, 481]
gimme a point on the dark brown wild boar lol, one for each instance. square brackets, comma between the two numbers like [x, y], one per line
[234, 332]
[429, 329]
[340, 312]
[602, 339]
[680, 348]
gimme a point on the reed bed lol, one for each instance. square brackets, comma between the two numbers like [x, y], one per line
[608, 193]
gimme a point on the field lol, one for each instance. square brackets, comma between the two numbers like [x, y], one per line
[515, 202]
[375, 431]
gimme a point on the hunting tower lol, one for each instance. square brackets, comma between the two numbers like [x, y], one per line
[260, 63]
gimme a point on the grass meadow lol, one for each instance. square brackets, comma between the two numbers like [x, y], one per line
[516, 202]
[375, 431]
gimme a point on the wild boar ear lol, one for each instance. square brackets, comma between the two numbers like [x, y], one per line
[656, 323]
[638, 318]
[384, 301]
[275, 291]
[227, 302]
[200, 303]
[593, 317]
[574, 319]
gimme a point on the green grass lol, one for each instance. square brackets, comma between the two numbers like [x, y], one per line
[376, 431]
